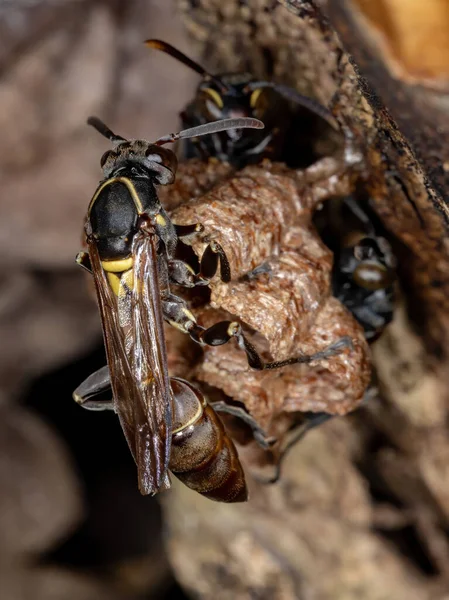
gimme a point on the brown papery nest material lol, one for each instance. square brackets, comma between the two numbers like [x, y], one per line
[262, 217]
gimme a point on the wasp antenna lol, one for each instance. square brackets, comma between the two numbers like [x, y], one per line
[294, 96]
[178, 55]
[185, 60]
[97, 124]
[213, 127]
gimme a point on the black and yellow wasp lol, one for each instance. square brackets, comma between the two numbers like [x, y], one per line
[133, 254]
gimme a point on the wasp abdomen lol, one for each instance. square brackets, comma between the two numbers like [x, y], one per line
[203, 457]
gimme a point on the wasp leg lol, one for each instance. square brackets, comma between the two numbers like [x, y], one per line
[177, 314]
[222, 332]
[189, 231]
[213, 255]
[236, 411]
[181, 271]
[83, 260]
[97, 383]
[263, 268]
[297, 434]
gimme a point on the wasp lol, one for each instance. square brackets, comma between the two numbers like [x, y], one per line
[363, 280]
[241, 95]
[363, 273]
[133, 252]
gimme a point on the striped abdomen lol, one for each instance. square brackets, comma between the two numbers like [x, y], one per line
[203, 457]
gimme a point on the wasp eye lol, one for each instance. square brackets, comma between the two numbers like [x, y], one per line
[215, 96]
[372, 276]
[105, 157]
[153, 155]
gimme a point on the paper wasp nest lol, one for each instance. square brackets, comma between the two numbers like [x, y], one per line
[262, 217]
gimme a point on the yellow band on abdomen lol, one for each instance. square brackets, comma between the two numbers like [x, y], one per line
[117, 266]
[121, 284]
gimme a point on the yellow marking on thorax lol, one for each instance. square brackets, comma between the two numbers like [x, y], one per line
[126, 182]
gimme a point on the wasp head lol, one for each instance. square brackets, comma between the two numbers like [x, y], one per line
[140, 156]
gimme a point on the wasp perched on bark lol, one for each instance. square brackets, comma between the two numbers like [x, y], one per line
[241, 95]
[135, 254]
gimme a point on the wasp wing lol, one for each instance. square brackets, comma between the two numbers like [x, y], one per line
[135, 346]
